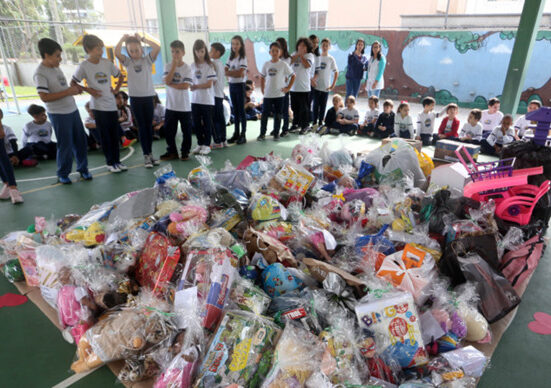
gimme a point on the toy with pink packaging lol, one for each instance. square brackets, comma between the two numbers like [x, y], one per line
[324, 269]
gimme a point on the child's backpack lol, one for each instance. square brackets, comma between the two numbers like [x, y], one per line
[519, 264]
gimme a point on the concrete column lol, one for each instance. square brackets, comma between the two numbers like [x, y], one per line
[522, 52]
[168, 26]
[299, 21]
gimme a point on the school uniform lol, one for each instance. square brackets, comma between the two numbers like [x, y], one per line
[98, 76]
[202, 102]
[384, 120]
[286, 102]
[325, 68]
[448, 128]
[219, 134]
[348, 114]
[370, 117]
[300, 91]
[522, 126]
[6, 147]
[475, 132]
[237, 94]
[331, 118]
[425, 126]
[178, 109]
[375, 71]
[275, 76]
[94, 139]
[159, 117]
[37, 140]
[65, 119]
[403, 126]
[142, 93]
[489, 121]
[497, 137]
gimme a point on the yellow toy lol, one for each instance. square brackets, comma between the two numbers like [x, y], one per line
[90, 236]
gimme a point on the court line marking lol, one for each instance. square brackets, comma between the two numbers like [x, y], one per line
[74, 378]
[75, 173]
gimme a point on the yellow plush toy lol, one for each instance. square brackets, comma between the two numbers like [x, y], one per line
[90, 236]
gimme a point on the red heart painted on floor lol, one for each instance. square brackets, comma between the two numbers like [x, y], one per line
[541, 324]
[10, 300]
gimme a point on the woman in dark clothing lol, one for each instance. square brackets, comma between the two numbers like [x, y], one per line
[357, 64]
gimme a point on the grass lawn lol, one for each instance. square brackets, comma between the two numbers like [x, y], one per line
[22, 92]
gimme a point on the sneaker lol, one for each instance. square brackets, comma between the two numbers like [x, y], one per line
[315, 127]
[242, 139]
[217, 146]
[169, 156]
[323, 131]
[127, 142]
[272, 133]
[86, 176]
[64, 180]
[284, 133]
[184, 157]
[205, 150]
[5, 193]
[16, 196]
[261, 138]
[305, 130]
[225, 144]
[276, 137]
[234, 138]
[122, 167]
[293, 128]
[155, 162]
[113, 168]
[148, 163]
[196, 150]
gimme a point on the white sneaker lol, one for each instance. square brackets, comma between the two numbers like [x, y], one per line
[15, 196]
[225, 144]
[5, 193]
[197, 150]
[155, 162]
[148, 163]
[113, 168]
[122, 167]
[205, 150]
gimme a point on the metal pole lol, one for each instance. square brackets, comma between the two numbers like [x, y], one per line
[10, 78]
[204, 17]
[446, 19]
[380, 10]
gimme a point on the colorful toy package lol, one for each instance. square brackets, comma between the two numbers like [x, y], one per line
[240, 353]
[393, 318]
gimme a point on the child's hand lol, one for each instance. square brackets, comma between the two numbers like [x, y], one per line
[125, 36]
[14, 161]
[374, 84]
[314, 82]
[329, 89]
[74, 90]
[137, 36]
[382, 128]
[286, 90]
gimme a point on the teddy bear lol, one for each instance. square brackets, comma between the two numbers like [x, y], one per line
[186, 221]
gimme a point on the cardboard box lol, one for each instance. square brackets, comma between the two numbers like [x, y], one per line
[417, 144]
[453, 175]
[445, 150]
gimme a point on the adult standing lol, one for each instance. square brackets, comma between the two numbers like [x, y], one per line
[375, 71]
[357, 64]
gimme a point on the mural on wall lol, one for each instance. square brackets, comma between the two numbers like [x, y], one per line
[465, 67]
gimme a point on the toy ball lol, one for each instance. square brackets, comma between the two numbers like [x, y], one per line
[398, 225]
[266, 209]
[13, 271]
[196, 176]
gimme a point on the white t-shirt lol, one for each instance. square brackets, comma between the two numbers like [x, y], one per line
[522, 125]
[372, 71]
[403, 124]
[10, 135]
[140, 81]
[159, 112]
[202, 73]
[349, 114]
[98, 76]
[128, 122]
[275, 75]
[52, 80]
[220, 78]
[325, 67]
[237, 64]
[490, 121]
[425, 123]
[303, 74]
[178, 99]
[371, 115]
[497, 136]
[36, 133]
[474, 132]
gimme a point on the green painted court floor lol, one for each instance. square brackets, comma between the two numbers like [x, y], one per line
[33, 353]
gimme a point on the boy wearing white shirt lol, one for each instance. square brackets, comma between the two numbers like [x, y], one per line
[37, 136]
[491, 117]
[501, 135]
[178, 78]
[274, 87]
[326, 68]
[522, 125]
[219, 135]
[97, 72]
[348, 118]
[425, 121]
[472, 129]
[301, 63]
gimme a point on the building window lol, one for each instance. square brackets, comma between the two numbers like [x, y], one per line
[318, 20]
[193, 23]
[256, 22]
[152, 26]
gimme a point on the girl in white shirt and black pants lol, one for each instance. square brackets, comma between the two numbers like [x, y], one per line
[301, 62]
[236, 71]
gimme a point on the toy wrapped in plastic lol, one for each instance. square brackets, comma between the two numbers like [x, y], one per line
[124, 333]
[234, 179]
[478, 329]
[298, 356]
[240, 352]
[394, 320]
[187, 220]
[296, 306]
[12, 271]
[442, 204]
[271, 249]
[181, 370]
[50, 260]
[277, 279]
[264, 208]
[292, 178]
[245, 295]
[90, 236]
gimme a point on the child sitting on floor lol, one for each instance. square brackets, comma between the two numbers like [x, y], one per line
[158, 118]
[37, 136]
[90, 124]
[371, 116]
[522, 126]
[252, 111]
[331, 115]
[472, 129]
[449, 126]
[384, 127]
[501, 135]
[403, 124]
[9, 188]
[347, 118]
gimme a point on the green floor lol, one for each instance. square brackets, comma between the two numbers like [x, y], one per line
[33, 353]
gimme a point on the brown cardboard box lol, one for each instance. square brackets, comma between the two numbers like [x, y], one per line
[445, 150]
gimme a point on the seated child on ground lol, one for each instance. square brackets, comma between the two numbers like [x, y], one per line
[94, 140]
[368, 126]
[331, 115]
[491, 117]
[472, 129]
[523, 126]
[384, 127]
[37, 136]
[348, 118]
[403, 124]
[9, 142]
[449, 126]
[158, 118]
[125, 114]
[252, 111]
[501, 135]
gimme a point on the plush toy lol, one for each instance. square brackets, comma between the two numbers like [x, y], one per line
[89, 236]
[187, 220]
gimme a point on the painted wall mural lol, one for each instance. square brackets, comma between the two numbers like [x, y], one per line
[465, 67]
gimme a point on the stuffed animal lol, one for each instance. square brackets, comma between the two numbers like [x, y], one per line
[89, 236]
[186, 221]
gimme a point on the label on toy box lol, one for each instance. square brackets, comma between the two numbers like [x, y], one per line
[295, 179]
[157, 263]
[395, 322]
[27, 260]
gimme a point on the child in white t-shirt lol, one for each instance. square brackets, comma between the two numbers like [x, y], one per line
[491, 117]
[371, 116]
[274, 85]
[9, 187]
[217, 50]
[236, 71]
[522, 126]
[325, 78]
[472, 129]
[403, 124]
[37, 136]
[502, 135]
[158, 118]
[348, 118]
[426, 120]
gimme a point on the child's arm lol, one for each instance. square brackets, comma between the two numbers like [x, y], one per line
[305, 62]
[335, 77]
[90, 125]
[239, 73]
[155, 48]
[463, 135]
[24, 137]
[118, 48]
[291, 82]
[119, 84]
[262, 84]
[379, 124]
[382, 65]
[75, 82]
[205, 85]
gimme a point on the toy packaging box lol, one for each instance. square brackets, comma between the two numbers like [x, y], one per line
[394, 321]
[445, 150]
[241, 351]
[417, 144]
